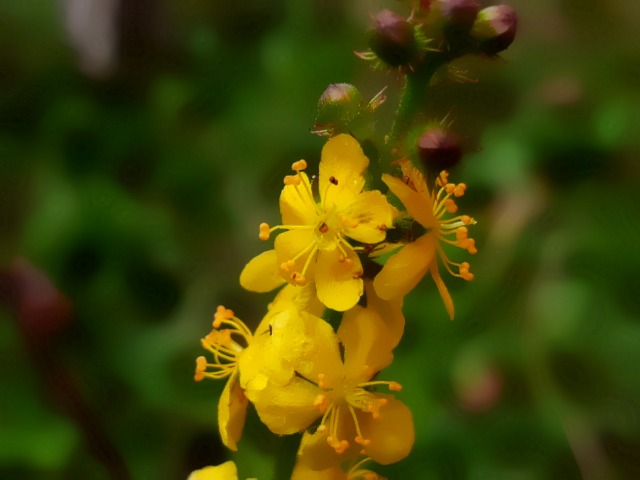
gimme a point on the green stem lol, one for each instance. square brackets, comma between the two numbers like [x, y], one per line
[286, 459]
[414, 93]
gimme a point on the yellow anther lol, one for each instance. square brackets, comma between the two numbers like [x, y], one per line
[340, 446]
[395, 386]
[362, 441]
[322, 428]
[220, 315]
[458, 191]
[292, 180]
[449, 188]
[321, 382]
[443, 178]
[471, 246]
[464, 271]
[299, 165]
[450, 205]
[201, 366]
[461, 233]
[320, 403]
[466, 219]
[298, 279]
[265, 231]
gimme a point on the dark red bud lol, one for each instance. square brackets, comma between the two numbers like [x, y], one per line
[495, 28]
[439, 149]
[393, 39]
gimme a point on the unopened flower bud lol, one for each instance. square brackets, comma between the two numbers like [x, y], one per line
[458, 13]
[393, 39]
[439, 149]
[495, 28]
[338, 106]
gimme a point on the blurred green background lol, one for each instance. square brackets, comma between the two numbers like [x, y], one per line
[142, 142]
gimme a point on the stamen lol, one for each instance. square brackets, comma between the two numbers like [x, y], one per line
[201, 366]
[299, 165]
[292, 180]
[265, 231]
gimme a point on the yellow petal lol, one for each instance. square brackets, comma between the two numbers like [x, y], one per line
[225, 471]
[297, 205]
[342, 167]
[316, 454]
[288, 245]
[261, 274]
[303, 472]
[442, 288]
[390, 311]
[232, 410]
[420, 208]
[309, 344]
[289, 409]
[372, 214]
[392, 435]
[338, 283]
[366, 342]
[405, 269]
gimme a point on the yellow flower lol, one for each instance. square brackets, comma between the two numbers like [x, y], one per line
[227, 345]
[355, 472]
[320, 384]
[230, 342]
[316, 246]
[225, 471]
[432, 210]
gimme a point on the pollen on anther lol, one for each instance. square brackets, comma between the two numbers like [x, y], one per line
[201, 366]
[292, 180]
[395, 386]
[299, 165]
[365, 442]
[264, 231]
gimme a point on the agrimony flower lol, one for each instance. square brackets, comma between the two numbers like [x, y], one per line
[355, 472]
[224, 471]
[228, 342]
[316, 245]
[341, 393]
[435, 211]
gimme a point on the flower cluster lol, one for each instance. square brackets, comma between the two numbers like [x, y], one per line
[352, 242]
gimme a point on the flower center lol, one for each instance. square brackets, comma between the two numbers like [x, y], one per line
[341, 402]
[452, 230]
[327, 231]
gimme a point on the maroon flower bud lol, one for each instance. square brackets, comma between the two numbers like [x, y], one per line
[393, 39]
[495, 28]
[439, 149]
[458, 12]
